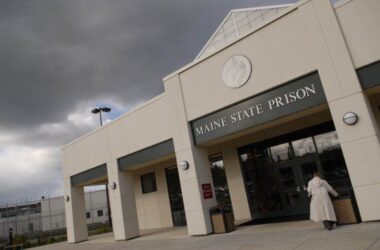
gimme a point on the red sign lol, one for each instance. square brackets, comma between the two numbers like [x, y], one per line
[207, 191]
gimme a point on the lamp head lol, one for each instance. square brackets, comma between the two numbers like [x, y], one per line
[105, 109]
[95, 110]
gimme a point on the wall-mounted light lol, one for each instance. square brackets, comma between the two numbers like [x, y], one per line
[350, 118]
[67, 198]
[112, 185]
[184, 165]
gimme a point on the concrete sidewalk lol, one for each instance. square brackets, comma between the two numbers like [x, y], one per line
[282, 236]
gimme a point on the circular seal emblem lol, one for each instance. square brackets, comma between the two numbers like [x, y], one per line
[236, 71]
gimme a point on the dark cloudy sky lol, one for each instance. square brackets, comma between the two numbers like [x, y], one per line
[60, 58]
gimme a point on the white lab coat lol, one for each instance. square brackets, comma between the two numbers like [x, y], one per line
[321, 207]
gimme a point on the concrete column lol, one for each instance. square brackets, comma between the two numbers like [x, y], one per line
[235, 182]
[123, 203]
[360, 142]
[361, 149]
[75, 213]
[196, 206]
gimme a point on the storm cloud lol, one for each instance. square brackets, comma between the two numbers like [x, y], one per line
[59, 59]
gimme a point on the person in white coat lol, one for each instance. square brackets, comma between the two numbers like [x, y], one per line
[321, 207]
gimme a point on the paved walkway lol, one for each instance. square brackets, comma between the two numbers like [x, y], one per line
[282, 236]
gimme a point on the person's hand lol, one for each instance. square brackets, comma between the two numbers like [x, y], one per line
[336, 195]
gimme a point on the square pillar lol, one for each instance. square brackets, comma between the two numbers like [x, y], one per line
[196, 205]
[75, 210]
[122, 203]
[235, 182]
[360, 142]
[361, 150]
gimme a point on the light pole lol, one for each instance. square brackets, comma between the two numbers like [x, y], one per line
[99, 111]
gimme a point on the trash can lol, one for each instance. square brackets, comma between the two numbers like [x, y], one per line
[222, 219]
[346, 209]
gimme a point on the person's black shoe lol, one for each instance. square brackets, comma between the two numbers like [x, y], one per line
[330, 228]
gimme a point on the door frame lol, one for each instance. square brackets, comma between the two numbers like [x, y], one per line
[295, 162]
[303, 203]
[184, 221]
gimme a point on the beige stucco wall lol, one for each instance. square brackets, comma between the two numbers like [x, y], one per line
[308, 37]
[270, 50]
[295, 37]
[153, 209]
[144, 127]
[359, 20]
[196, 205]
[139, 129]
[303, 39]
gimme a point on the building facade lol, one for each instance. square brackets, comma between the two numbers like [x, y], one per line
[276, 94]
[53, 211]
[48, 215]
[22, 218]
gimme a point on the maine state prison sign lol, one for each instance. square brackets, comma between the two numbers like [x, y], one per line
[298, 95]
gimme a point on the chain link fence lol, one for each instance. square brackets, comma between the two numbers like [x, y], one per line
[41, 221]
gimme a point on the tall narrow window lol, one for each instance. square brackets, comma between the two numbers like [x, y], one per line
[219, 179]
[333, 163]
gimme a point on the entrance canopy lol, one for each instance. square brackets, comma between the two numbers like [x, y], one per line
[157, 152]
[92, 176]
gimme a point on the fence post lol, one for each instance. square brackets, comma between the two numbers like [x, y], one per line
[10, 237]
[51, 225]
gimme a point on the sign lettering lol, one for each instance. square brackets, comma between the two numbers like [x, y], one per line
[293, 97]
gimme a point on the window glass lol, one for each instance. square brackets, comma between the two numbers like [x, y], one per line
[88, 215]
[303, 147]
[219, 179]
[327, 142]
[261, 180]
[281, 152]
[148, 183]
[332, 160]
[287, 177]
[100, 213]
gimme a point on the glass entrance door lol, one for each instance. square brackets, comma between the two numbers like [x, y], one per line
[293, 196]
[276, 184]
[262, 184]
[175, 197]
[277, 171]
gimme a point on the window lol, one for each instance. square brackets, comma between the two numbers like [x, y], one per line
[303, 147]
[100, 213]
[333, 163]
[327, 142]
[30, 227]
[281, 152]
[88, 215]
[148, 183]
[220, 180]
